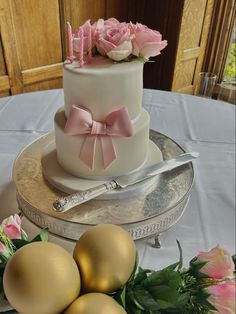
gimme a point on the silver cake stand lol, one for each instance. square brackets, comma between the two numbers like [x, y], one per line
[147, 215]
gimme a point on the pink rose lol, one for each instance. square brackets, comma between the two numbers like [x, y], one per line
[219, 263]
[146, 42]
[87, 28]
[112, 39]
[11, 227]
[4, 251]
[222, 297]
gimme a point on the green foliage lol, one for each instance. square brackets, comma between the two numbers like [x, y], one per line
[170, 290]
[230, 69]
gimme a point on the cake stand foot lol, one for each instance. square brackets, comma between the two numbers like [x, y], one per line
[155, 241]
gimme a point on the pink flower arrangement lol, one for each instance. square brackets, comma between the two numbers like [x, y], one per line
[10, 229]
[117, 41]
[219, 263]
[4, 251]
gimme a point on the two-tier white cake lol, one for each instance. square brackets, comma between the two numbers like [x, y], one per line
[102, 131]
[103, 87]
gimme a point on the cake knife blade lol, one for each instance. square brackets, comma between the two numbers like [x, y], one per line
[64, 204]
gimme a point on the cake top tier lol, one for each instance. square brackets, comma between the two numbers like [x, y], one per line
[115, 40]
[103, 86]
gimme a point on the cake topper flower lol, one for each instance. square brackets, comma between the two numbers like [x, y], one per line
[115, 40]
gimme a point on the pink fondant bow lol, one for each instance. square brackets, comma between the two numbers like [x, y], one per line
[80, 121]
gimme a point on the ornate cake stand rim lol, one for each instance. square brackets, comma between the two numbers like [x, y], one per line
[121, 224]
[131, 227]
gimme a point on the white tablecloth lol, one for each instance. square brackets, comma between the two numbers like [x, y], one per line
[197, 124]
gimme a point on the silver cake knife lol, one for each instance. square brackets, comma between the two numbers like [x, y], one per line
[63, 204]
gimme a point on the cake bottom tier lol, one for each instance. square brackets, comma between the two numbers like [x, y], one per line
[131, 152]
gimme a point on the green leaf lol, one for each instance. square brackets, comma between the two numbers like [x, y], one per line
[164, 276]
[42, 236]
[182, 300]
[18, 243]
[135, 269]
[164, 293]
[195, 268]
[132, 299]
[24, 235]
[234, 260]
[180, 256]
[3, 258]
[141, 275]
[1, 285]
[120, 297]
[171, 267]
[144, 299]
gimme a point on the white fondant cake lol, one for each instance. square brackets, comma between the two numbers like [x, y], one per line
[103, 131]
[102, 87]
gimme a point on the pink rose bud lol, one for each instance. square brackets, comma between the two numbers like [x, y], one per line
[222, 297]
[4, 251]
[11, 227]
[219, 263]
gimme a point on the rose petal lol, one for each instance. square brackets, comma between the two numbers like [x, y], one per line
[152, 49]
[222, 297]
[121, 52]
[12, 232]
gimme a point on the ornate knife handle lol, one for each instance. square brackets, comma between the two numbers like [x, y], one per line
[63, 204]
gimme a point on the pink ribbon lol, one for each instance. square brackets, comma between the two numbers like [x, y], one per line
[80, 121]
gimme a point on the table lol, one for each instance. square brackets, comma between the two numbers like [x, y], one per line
[197, 124]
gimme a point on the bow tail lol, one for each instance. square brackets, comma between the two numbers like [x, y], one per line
[108, 150]
[87, 151]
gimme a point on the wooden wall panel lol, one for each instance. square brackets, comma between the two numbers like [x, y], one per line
[9, 47]
[38, 38]
[79, 11]
[32, 41]
[117, 9]
[4, 80]
[56, 83]
[192, 43]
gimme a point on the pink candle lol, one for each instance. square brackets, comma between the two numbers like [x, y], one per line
[90, 43]
[70, 39]
[81, 47]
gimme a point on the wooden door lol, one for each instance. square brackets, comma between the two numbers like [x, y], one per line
[33, 40]
[192, 44]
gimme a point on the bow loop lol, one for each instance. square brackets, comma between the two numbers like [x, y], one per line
[80, 121]
[118, 123]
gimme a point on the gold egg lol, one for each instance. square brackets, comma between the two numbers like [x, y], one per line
[41, 278]
[106, 257]
[92, 303]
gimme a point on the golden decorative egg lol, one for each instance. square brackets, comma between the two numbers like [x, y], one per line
[106, 257]
[95, 303]
[41, 278]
